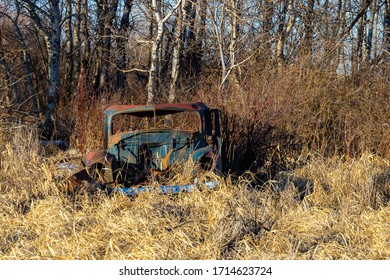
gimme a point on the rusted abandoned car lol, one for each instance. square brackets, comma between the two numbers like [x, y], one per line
[144, 141]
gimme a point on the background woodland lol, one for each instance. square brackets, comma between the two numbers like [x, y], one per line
[307, 74]
[304, 93]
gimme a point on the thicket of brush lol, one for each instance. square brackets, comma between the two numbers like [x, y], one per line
[327, 129]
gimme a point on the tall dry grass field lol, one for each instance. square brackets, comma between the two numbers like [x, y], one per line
[346, 216]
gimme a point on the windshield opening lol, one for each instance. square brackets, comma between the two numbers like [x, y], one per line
[186, 121]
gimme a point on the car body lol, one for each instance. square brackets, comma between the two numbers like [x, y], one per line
[143, 141]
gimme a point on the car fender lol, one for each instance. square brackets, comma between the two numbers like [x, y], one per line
[103, 159]
[208, 152]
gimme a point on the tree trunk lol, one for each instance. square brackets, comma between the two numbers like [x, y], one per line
[77, 39]
[26, 59]
[85, 54]
[122, 39]
[370, 32]
[154, 61]
[386, 25]
[358, 54]
[9, 81]
[106, 11]
[155, 52]
[69, 51]
[338, 32]
[268, 26]
[218, 16]
[309, 26]
[234, 33]
[177, 49]
[52, 37]
[284, 30]
[190, 38]
[196, 53]
[54, 48]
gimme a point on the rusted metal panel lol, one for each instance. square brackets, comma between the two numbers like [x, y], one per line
[196, 106]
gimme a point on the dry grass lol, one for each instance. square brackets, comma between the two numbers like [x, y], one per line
[347, 219]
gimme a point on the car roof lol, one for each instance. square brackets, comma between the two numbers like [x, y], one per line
[155, 109]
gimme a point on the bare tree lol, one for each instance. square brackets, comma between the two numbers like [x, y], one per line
[156, 44]
[370, 32]
[196, 38]
[386, 23]
[10, 85]
[177, 50]
[267, 25]
[218, 17]
[189, 41]
[286, 24]
[86, 52]
[25, 53]
[361, 34]
[123, 37]
[77, 36]
[235, 18]
[106, 11]
[47, 18]
[69, 50]
[309, 27]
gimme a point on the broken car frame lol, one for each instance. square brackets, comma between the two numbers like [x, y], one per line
[144, 141]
